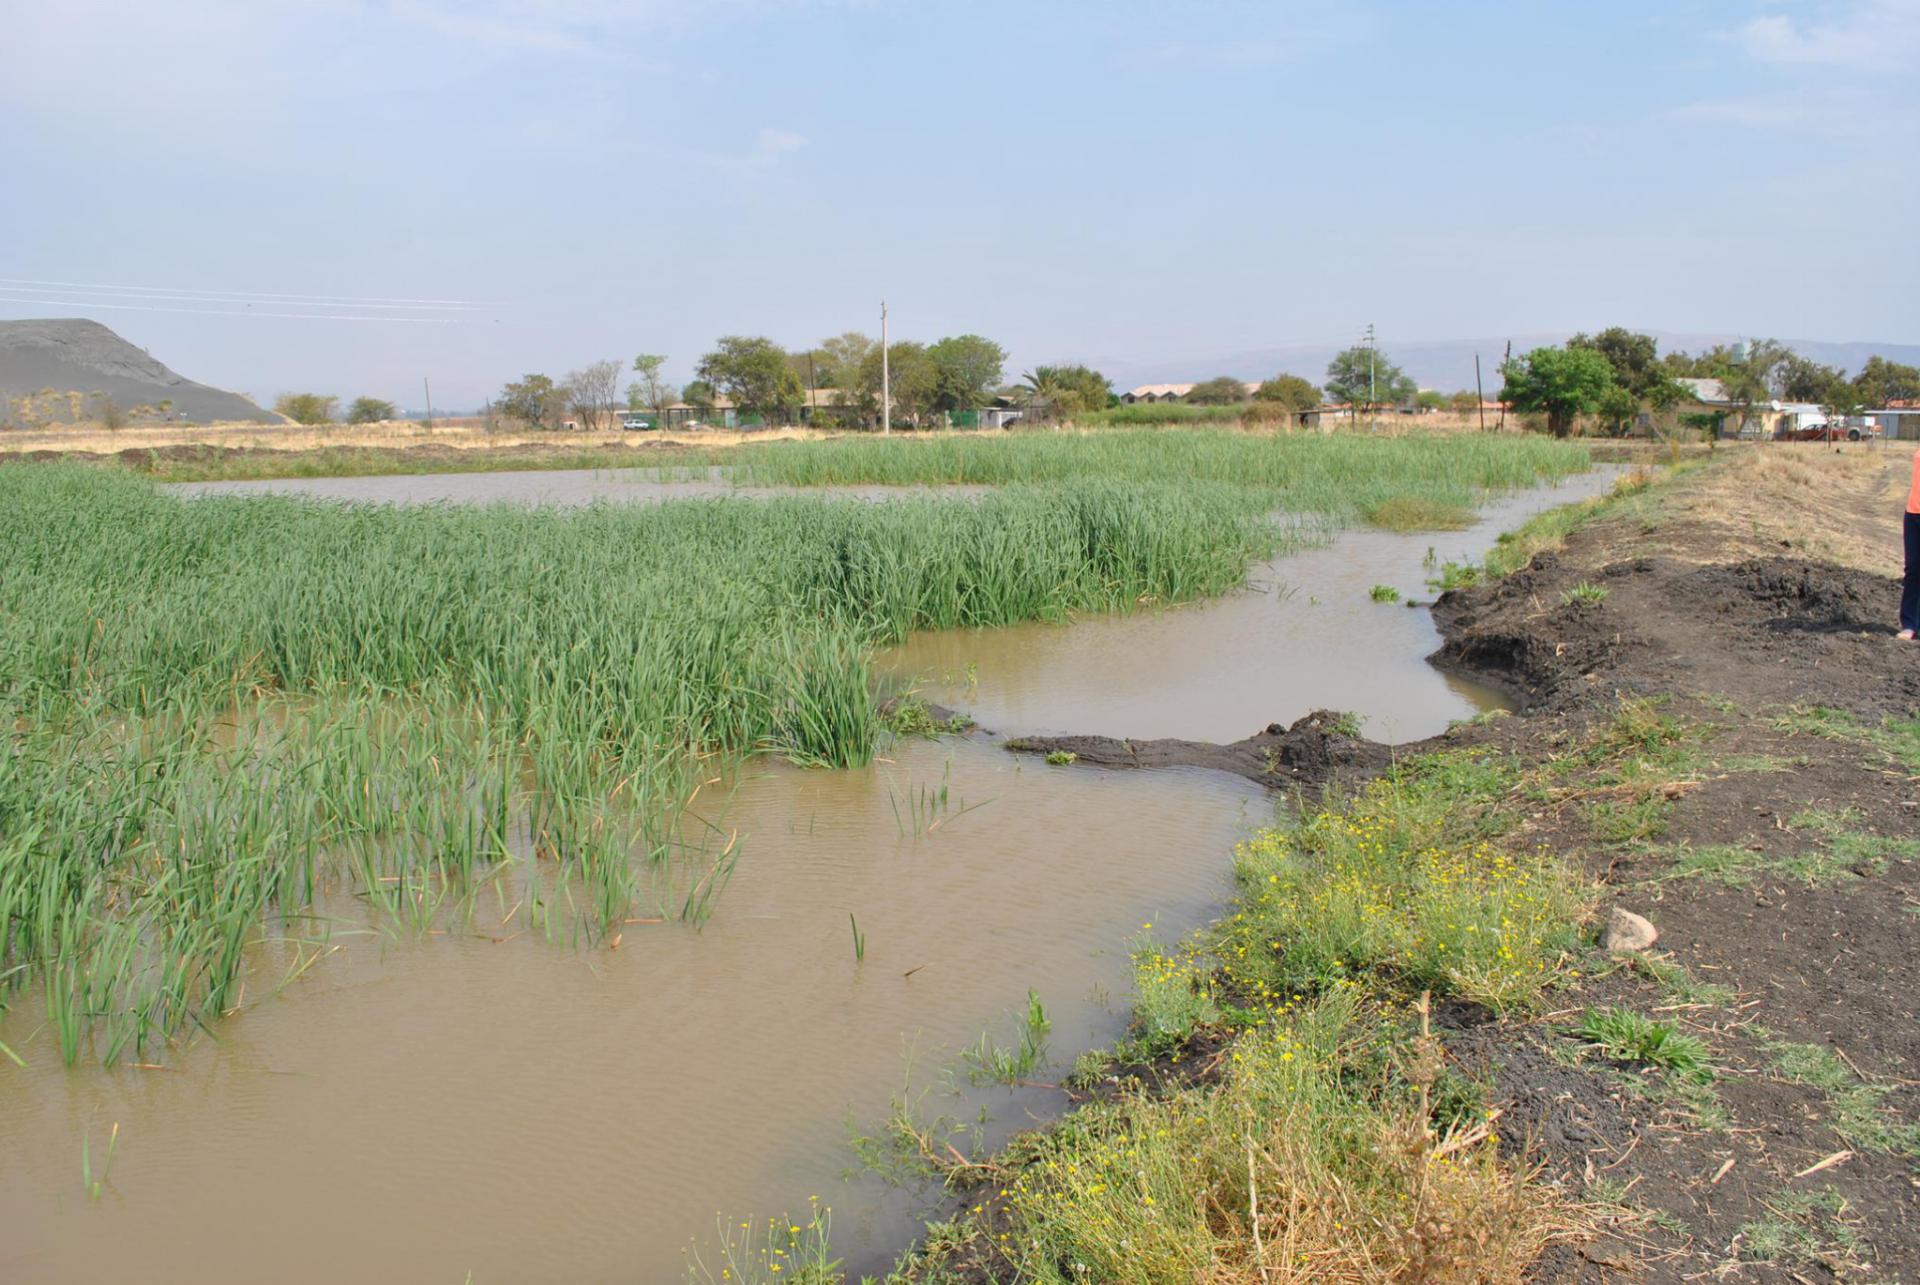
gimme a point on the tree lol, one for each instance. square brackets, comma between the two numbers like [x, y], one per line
[592, 393]
[967, 369]
[1749, 380]
[370, 410]
[1065, 391]
[1464, 402]
[1561, 382]
[1294, 394]
[839, 360]
[1632, 356]
[1616, 409]
[534, 400]
[699, 394]
[1364, 377]
[914, 380]
[1882, 382]
[1429, 399]
[307, 408]
[1801, 379]
[1221, 390]
[753, 371]
[651, 391]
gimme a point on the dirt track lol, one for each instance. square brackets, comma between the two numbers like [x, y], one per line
[1714, 612]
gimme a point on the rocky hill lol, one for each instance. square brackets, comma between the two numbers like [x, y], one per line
[66, 369]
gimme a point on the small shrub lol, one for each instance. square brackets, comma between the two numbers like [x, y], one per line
[1625, 1036]
[1060, 758]
[1384, 593]
[1585, 594]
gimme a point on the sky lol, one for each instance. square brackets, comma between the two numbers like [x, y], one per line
[350, 195]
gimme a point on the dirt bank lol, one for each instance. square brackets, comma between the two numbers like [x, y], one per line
[1768, 830]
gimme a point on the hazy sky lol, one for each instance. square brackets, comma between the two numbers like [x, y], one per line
[1115, 181]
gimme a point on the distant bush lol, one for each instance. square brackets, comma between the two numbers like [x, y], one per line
[369, 410]
[307, 408]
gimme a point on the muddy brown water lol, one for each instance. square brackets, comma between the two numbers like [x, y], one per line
[1306, 636]
[421, 1109]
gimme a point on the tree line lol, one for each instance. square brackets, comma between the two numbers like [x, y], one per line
[840, 379]
[1618, 373]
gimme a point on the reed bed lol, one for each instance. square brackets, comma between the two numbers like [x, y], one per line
[222, 713]
[1341, 477]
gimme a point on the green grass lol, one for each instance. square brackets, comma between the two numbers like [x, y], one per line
[1341, 477]
[221, 711]
[1161, 415]
[1896, 738]
[1384, 593]
[1407, 884]
[1328, 1125]
[1859, 1114]
[1622, 1035]
[1584, 594]
[1419, 513]
[1804, 1226]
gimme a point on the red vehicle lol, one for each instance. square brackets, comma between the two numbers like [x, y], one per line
[1827, 432]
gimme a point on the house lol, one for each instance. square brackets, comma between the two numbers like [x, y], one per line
[1899, 419]
[1150, 393]
[1709, 397]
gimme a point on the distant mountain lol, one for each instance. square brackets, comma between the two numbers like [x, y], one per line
[1447, 364]
[81, 361]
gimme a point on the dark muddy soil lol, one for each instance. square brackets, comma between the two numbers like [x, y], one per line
[1804, 941]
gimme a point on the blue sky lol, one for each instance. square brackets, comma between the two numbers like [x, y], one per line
[1122, 182]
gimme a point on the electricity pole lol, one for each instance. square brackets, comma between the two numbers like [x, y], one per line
[1373, 415]
[886, 376]
[429, 390]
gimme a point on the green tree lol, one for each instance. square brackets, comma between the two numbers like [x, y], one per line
[1061, 392]
[914, 380]
[1362, 377]
[1633, 357]
[839, 359]
[967, 369]
[1464, 402]
[1616, 408]
[1801, 379]
[1881, 382]
[1294, 394]
[370, 410]
[650, 392]
[1429, 399]
[1750, 378]
[699, 394]
[534, 400]
[307, 408]
[1221, 390]
[754, 372]
[1560, 382]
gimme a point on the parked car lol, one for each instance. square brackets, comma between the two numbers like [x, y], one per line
[638, 423]
[1831, 431]
[1828, 432]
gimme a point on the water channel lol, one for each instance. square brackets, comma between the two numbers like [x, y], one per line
[416, 1110]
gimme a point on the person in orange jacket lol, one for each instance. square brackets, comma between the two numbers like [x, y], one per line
[1910, 587]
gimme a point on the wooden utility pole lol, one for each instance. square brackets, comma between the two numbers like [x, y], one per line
[886, 376]
[1479, 393]
[1503, 374]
